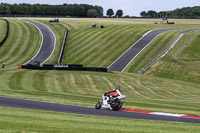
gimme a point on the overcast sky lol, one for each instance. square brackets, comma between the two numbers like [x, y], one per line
[130, 7]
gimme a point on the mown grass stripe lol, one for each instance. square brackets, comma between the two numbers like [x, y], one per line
[16, 80]
[73, 83]
[100, 60]
[91, 83]
[34, 41]
[18, 50]
[2, 29]
[104, 43]
[132, 90]
[28, 80]
[88, 47]
[15, 50]
[39, 83]
[11, 37]
[85, 39]
[93, 33]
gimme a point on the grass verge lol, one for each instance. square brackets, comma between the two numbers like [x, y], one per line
[22, 120]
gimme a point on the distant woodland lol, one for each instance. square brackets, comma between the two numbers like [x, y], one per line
[84, 10]
[185, 12]
[72, 10]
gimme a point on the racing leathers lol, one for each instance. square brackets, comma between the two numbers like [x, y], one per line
[117, 95]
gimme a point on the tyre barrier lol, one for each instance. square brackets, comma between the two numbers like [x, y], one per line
[68, 67]
[7, 32]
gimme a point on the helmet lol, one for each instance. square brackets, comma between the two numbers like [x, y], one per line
[118, 87]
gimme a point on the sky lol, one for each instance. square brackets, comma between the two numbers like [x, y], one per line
[129, 7]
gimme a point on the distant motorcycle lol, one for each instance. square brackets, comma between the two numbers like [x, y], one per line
[110, 102]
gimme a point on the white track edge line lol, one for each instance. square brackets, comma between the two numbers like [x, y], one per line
[42, 41]
[140, 51]
[145, 47]
[54, 41]
[40, 44]
[130, 47]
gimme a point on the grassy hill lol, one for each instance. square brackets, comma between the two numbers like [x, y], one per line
[2, 29]
[22, 44]
[100, 47]
[182, 62]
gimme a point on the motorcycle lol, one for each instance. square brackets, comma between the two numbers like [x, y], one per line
[110, 102]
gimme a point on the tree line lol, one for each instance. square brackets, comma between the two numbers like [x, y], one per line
[73, 10]
[185, 12]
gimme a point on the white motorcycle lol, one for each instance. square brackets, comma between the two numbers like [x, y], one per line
[110, 102]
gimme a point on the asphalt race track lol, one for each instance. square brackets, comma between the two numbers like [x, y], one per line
[48, 43]
[37, 105]
[123, 61]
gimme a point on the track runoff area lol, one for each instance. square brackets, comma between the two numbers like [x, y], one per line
[123, 113]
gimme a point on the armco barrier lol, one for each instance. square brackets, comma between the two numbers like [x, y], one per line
[63, 47]
[69, 67]
[165, 52]
[7, 32]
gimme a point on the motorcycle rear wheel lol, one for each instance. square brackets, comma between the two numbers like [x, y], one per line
[117, 107]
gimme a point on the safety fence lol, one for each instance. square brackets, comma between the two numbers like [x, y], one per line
[63, 47]
[165, 52]
[69, 67]
[7, 32]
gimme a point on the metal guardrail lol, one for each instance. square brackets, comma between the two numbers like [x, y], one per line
[165, 52]
[63, 47]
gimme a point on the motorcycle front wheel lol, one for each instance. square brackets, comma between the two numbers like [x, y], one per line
[98, 105]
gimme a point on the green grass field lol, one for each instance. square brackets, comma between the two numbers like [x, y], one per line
[157, 90]
[182, 62]
[22, 44]
[32, 121]
[2, 29]
[94, 47]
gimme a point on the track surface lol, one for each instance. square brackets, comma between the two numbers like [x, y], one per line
[48, 43]
[37, 105]
[122, 62]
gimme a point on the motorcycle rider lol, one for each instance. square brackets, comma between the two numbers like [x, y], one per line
[117, 95]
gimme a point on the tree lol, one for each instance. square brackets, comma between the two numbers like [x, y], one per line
[119, 13]
[162, 14]
[92, 13]
[5, 9]
[75, 10]
[143, 14]
[151, 13]
[99, 10]
[110, 12]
